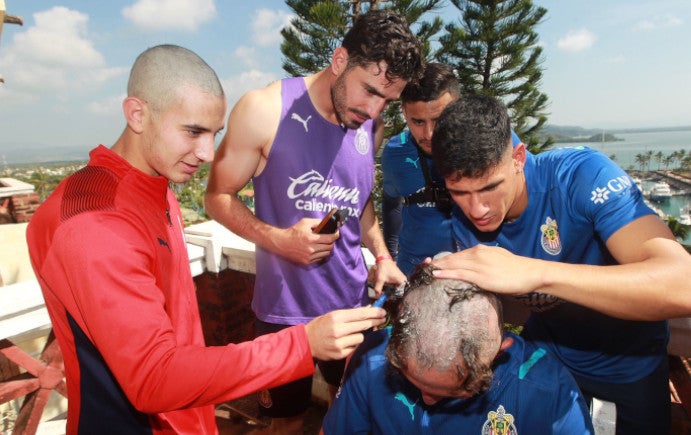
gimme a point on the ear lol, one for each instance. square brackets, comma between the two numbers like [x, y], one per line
[403, 111]
[135, 111]
[519, 155]
[506, 343]
[339, 61]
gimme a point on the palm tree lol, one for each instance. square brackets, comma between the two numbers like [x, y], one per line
[679, 230]
[658, 158]
[648, 158]
[640, 161]
[678, 156]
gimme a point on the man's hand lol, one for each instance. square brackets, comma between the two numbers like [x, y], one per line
[335, 335]
[385, 272]
[494, 269]
[301, 245]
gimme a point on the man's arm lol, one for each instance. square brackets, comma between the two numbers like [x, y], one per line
[391, 208]
[385, 270]
[650, 283]
[242, 154]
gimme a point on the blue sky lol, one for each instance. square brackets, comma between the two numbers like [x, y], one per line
[608, 63]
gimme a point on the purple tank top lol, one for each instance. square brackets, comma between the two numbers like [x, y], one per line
[313, 166]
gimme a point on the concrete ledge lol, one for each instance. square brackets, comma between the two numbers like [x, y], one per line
[12, 186]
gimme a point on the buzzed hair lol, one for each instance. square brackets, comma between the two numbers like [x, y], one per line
[161, 72]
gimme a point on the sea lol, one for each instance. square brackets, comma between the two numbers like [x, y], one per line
[624, 154]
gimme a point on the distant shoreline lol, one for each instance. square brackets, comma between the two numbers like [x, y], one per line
[571, 134]
[36, 154]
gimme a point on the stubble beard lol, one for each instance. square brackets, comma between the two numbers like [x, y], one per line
[338, 99]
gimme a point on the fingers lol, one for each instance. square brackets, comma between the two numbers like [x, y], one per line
[386, 272]
[447, 261]
[336, 334]
[461, 274]
[357, 319]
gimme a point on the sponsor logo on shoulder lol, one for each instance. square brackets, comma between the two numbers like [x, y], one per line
[616, 185]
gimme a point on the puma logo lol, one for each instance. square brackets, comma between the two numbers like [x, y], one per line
[163, 243]
[403, 399]
[297, 117]
[411, 161]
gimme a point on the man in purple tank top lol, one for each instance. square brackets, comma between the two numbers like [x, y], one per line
[308, 144]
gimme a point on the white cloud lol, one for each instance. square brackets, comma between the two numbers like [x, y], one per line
[659, 22]
[267, 25]
[55, 55]
[58, 39]
[238, 85]
[107, 106]
[248, 55]
[577, 40]
[170, 14]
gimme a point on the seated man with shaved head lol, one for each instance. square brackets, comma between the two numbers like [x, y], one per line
[446, 366]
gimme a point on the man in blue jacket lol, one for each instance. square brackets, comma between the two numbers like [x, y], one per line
[416, 208]
[446, 367]
[568, 232]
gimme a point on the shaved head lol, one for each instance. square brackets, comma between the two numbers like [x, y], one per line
[161, 72]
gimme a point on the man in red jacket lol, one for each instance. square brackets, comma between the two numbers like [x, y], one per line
[108, 250]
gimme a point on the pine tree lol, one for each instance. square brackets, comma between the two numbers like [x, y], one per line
[494, 48]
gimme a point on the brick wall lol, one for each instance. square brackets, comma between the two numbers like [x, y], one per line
[23, 206]
[224, 304]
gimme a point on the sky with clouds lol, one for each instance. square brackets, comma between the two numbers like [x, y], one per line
[607, 63]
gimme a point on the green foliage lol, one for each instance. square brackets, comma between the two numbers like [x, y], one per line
[679, 230]
[45, 178]
[676, 160]
[314, 34]
[494, 48]
[190, 195]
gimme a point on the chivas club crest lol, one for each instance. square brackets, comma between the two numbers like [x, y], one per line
[362, 144]
[550, 240]
[499, 423]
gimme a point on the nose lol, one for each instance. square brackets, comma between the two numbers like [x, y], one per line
[428, 130]
[205, 150]
[476, 206]
[376, 107]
